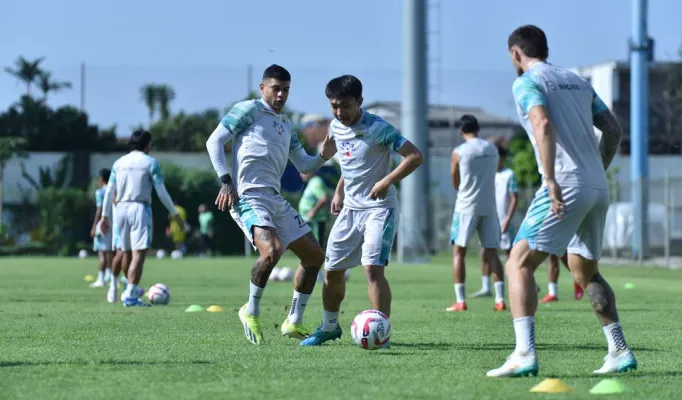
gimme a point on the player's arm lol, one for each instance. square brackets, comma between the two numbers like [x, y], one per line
[528, 96]
[162, 192]
[604, 120]
[339, 194]
[412, 157]
[236, 121]
[454, 170]
[513, 190]
[108, 200]
[99, 200]
[323, 197]
[303, 161]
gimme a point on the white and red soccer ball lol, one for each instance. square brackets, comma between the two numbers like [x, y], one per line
[371, 330]
[159, 294]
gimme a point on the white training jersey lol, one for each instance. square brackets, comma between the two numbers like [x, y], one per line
[477, 166]
[571, 103]
[263, 142]
[505, 185]
[365, 151]
[132, 178]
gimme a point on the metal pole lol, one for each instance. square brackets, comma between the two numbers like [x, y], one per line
[414, 191]
[666, 222]
[82, 105]
[639, 135]
[249, 79]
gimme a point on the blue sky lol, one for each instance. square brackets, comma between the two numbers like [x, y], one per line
[203, 50]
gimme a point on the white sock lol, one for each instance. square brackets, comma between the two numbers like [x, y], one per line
[615, 337]
[330, 320]
[553, 289]
[130, 289]
[499, 292]
[255, 294]
[107, 272]
[459, 292]
[113, 282]
[100, 276]
[485, 283]
[524, 328]
[298, 304]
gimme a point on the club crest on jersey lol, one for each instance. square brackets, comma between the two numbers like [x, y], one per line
[347, 147]
[278, 126]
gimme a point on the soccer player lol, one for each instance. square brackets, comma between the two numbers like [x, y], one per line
[365, 202]
[558, 109]
[506, 198]
[132, 177]
[102, 243]
[314, 206]
[263, 140]
[473, 167]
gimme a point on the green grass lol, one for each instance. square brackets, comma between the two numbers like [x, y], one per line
[60, 339]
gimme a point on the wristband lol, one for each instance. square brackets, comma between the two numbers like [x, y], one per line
[226, 179]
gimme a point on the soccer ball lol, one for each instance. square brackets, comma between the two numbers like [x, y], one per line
[371, 330]
[176, 254]
[83, 253]
[286, 274]
[159, 294]
[274, 275]
[160, 254]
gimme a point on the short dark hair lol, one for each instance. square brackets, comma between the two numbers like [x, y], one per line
[139, 139]
[344, 87]
[468, 124]
[501, 150]
[277, 72]
[531, 40]
[105, 173]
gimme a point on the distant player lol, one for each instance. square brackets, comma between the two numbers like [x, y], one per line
[473, 168]
[264, 140]
[132, 178]
[365, 202]
[558, 109]
[102, 243]
[314, 206]
[553, 280]
[506, 198]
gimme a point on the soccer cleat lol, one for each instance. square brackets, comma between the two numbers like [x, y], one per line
[481, 293]
[134, 302]
[500, 306]
[319, 336]
[517, 364]
[577, 291]
[252, 329]
[112, 294]
[458, 307]
[97, 284]
[549, 299]
[295, 331]
[622, 361]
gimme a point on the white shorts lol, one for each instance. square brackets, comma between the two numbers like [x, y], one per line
[361, 237]
[464, 225]
[580, 231]
[265, 207]
[102, 242]
[133, 226]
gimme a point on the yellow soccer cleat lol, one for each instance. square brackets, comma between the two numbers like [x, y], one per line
[296, 331]
[252, 329]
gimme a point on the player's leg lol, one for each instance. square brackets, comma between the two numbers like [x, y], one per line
[489, 236]
[463, 226]
[541, 233]
[139, 220]
[552, 280]
[485, 278]
[101, 267]
[116, 263]
[584, 252]
[343, 251]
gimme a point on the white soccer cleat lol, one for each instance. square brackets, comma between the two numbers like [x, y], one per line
[622, 361]
[517, 364]
[112, 295]
[481, 293]
[97, 284]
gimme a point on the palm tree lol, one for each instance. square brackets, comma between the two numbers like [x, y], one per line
[165, 95]
[149, 95]
[46, 84]
[26, 71]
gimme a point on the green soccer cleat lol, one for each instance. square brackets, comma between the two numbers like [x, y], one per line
[295, 331]
[252, 329]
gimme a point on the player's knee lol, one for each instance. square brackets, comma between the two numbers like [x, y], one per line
[271, 255]
[374, 274]
[314, 259]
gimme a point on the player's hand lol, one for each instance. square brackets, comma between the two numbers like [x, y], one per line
[180, 222]
[92, 232]
[505, 226]
[104, 225]
[328, 148]
[310, 215]
[337, 204]
[380, 190]
[227, 197]
[557, 202]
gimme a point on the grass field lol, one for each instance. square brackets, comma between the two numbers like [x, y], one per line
[61, 339]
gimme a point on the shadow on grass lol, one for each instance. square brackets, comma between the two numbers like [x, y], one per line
[508, 346]
[629, 375]
[9, 364]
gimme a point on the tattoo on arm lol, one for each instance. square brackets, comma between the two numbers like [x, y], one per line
[611, 134]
